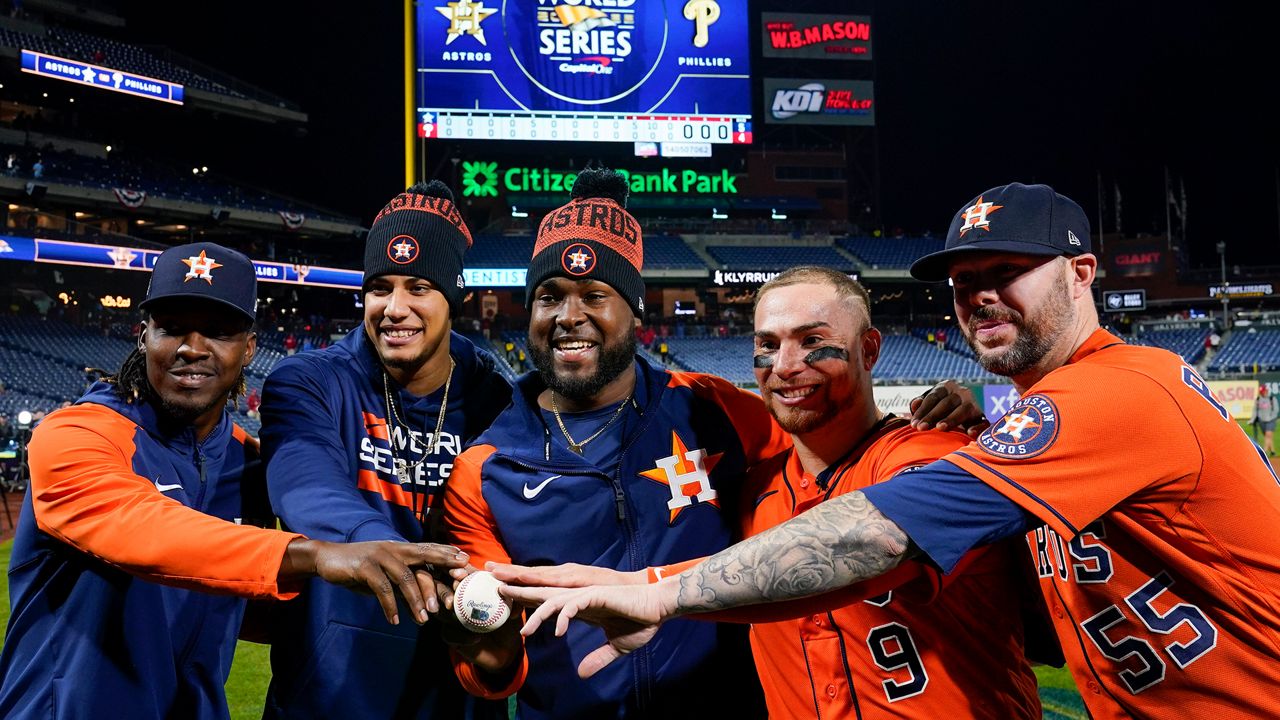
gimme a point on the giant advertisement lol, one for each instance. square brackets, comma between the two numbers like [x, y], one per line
[819, 102]
[610, 70]
[839, 37]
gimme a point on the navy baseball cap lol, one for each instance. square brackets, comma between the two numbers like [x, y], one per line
[1015, 218]
[205, 271]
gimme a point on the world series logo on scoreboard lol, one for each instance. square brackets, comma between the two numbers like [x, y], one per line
[605, 70]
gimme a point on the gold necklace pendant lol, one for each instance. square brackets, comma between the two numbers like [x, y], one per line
[574, 445]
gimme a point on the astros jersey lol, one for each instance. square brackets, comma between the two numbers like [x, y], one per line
[667, 495]
[959, 656]
[1158, 556]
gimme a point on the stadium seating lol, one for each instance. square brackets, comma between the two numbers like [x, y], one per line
[500, 251]
[730, 358]
[1248, 350]
[890, 253]
[1187, 342]
[162, 181]
[661, 252]
[734, 257]
[908, 359]
[669, 252]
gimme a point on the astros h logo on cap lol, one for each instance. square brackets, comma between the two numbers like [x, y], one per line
[202, 267]
[578, 259]
[402, 249]
[975, 216]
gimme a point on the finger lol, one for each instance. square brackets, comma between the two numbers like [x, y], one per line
[382, 589]
[567, 613]
[420, 554]
[915, 404]
[537, 617]
[596, 660]
[429, 587]
[940, 410]
[505, 572]
[530, 596]
[406, 581]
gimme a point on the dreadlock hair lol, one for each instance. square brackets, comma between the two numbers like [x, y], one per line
[131, 383]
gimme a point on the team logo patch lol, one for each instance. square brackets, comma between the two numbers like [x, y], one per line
[402, 249]
[687, 474]
[975, 216]
[202, 268]
[1028, 429]
[578, 259]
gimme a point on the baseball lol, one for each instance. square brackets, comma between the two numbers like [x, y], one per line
[477, 604]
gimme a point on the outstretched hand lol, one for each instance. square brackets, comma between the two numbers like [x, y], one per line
[629, 616]
[568, 575]
[948, 406]
[381, 568]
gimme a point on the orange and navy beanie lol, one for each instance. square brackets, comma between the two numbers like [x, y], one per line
[593, 236]
[420, 233]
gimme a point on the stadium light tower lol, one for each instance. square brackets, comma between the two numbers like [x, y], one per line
[1226, 297]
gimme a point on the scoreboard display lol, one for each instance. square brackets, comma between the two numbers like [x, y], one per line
[585, 70]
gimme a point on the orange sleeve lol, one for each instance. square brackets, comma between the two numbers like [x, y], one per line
[477, 683]
[1084, 439]
[761, 437]
[470, 527]
[468, 523]
[84, 493]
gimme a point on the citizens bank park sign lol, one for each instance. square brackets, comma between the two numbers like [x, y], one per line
[482, 178]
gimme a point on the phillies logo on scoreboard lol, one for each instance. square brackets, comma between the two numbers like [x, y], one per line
[582, 50]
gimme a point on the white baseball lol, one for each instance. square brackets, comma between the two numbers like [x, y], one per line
[477, 604]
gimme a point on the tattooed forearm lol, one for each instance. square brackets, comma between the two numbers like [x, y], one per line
[840, 542]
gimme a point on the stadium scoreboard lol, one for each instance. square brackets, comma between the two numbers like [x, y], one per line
[585, 70]
[599, 127]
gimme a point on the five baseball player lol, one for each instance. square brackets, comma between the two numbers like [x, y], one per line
[881, 563]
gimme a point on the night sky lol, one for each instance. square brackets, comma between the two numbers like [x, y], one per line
[969, 95]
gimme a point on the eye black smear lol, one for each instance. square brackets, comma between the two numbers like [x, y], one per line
[824, 353]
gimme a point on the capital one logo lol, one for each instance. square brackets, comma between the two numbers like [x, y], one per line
[807, 98]
[687, 473]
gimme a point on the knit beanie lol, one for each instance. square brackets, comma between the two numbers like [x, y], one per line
[420, 233]
[593, 236]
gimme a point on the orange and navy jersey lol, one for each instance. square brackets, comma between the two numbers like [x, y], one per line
[126, 529]
[520, 496]
[335, 454]
[903, 654]
[1157, 556]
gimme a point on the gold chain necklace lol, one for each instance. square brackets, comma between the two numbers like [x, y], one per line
[402, 467]
[573, 444]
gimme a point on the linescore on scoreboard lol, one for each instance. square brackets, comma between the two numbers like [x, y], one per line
[584, 70]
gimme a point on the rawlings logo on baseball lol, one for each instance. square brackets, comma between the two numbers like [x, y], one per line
[477, 604]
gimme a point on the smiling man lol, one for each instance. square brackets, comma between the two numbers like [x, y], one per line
[606, 459]
[142, 494]
[359, 440]
[1149, 515]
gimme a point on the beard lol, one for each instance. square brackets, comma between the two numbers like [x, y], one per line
[798, 421]
[614, 360]
[1034, 339]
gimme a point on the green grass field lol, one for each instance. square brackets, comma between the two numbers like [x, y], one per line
[251, 673]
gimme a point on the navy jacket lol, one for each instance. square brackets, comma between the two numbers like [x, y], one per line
[330, 473]
[111, 515]
[520, 495]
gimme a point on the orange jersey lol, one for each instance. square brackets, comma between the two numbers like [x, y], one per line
[1158, 557]
[959, 655]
